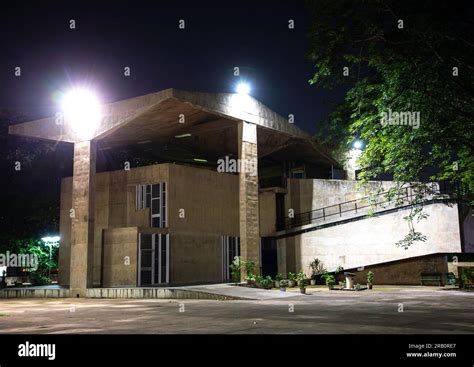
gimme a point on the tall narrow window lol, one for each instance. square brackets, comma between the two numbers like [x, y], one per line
[153, 197]
[230, 249]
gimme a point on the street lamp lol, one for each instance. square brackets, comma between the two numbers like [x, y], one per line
[243, 88]
[82, 111]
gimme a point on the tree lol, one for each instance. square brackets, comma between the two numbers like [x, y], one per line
[394, 57]
[401, 56]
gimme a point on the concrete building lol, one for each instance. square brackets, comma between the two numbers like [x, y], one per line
[231, 178]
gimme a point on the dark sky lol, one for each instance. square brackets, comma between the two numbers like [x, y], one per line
[146, 38]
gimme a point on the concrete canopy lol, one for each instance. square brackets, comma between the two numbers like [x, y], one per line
[211, 119]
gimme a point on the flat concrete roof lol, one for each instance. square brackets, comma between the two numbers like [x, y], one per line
[210, 121]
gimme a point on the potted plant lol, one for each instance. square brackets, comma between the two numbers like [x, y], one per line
[370, 279]
[291, 279]
[317, 268]
[330, 280]
[251, 279]
[301, 277]
[283, 285]
[265, 283]
[278, 279]
[250, 266]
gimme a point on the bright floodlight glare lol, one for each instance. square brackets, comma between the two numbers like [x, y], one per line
[51, 239]
[358, 144]
[82, 110]
[243, 88]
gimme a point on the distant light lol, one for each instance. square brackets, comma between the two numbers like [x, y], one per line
[182, 136]
[52, 239]
[82, 110]
[200, 160]
[358, 144]
[243, 88]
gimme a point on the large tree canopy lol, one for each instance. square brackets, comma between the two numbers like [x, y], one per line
[397, 57]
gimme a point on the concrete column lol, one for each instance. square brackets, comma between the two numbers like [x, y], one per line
[82, 230]
[248, 195]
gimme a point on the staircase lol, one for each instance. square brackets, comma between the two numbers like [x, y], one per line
[361, 208]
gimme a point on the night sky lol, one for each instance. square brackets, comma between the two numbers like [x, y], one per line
[217, 37]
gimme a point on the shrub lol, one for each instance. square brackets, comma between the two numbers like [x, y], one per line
[291, 276]
[317, 268]
[250, 266]
[370, 277]
[265, 283]
[301, 278]
[235, 269]
[329, 278]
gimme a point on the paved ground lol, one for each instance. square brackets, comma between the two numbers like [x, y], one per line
[424, 311]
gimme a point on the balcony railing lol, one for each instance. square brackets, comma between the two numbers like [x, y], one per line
[363, 206]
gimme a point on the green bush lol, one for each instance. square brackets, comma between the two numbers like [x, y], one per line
[370, 277]
[235, 269]
[262, 282]
[317, 268]
[291, 276]
[250, 266]
[301, 278]
[329, 278]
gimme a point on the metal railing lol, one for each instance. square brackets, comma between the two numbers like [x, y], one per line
[360, 206]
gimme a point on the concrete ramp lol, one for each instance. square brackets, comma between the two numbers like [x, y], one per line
[218, 292]
[240, 292]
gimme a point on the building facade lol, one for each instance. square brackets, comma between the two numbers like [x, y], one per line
[183, 219]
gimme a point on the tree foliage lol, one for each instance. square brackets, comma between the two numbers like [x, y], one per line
[401, 56]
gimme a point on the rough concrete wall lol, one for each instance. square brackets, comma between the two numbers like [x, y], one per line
[120, 245]
[195, 257]
[248, 197]
[267, 213]
[468, 231]
[210, 203]
[404, 272]
[65, 231]
[115, 207]
[372, 241]
[101, 221]
[309, 194]
[209, 200]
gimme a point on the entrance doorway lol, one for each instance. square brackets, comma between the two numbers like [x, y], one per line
[269, 256]
[230, 249]
[153, 259]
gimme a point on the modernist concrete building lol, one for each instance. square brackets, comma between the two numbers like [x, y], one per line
[183, 219]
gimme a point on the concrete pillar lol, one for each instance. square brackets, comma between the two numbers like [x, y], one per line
[248, 195]
[82, 230]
